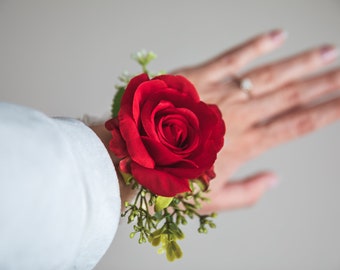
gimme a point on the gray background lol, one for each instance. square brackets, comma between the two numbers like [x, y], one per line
[63, 57]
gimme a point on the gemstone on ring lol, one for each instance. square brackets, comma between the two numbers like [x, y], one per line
[246, 84]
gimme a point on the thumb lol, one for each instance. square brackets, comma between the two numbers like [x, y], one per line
[242, 193]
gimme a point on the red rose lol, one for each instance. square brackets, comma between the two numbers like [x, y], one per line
[164, 134]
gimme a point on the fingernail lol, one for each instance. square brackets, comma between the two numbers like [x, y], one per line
[329, 53]
[278, 35]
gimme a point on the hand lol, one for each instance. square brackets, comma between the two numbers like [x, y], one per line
[285, 103]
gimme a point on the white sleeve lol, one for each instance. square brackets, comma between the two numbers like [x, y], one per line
[59, 194]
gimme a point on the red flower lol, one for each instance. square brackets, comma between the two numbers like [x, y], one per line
[165, 133]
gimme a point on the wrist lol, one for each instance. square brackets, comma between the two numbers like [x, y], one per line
[126, 192]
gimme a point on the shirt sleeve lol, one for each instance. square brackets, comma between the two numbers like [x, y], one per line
[59, 193]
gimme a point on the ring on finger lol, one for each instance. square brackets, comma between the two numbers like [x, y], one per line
[246, 85]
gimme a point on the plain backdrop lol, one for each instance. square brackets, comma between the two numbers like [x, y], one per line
[64, 57]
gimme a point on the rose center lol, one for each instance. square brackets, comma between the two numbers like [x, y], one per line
[175, 135]
[176, 129]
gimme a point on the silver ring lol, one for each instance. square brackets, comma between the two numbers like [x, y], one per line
[246, 85]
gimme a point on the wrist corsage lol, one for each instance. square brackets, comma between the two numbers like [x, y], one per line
[166, 141]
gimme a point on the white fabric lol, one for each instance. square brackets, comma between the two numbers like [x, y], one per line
[59, 194]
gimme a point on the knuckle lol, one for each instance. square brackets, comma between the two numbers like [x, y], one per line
[293, 96]
[266, 75]
[234, 61]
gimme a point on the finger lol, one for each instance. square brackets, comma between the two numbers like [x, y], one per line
[291, 96]
[230, 62]
[272, 76]
[296, 124]
[242, 193]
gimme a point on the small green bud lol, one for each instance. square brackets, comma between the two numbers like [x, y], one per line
[202, 229]
[184, 221]
[141, 239]
[178, 219]
[131, 218]
[161, 250]
[132, 235]
[155, 241]
[176, 201]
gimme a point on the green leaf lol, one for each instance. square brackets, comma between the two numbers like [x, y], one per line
[173, 251]
[177, 250]
[117, 100]
[162, 202]
[155, 241]
[170, 254]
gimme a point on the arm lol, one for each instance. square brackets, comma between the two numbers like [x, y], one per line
[59, 196]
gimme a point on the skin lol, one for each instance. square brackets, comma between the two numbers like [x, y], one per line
[284, 104]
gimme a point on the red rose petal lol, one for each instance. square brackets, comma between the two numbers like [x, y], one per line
[143, 93]
[219, 130]
[181, 84]
[162, 155]
[207, 176]
[126, 102]
[124, 165]
[148, 113]
[185, 168]
[178, 129]
[159, 182]
[117, 144]
[111, 124]
[134, 144]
